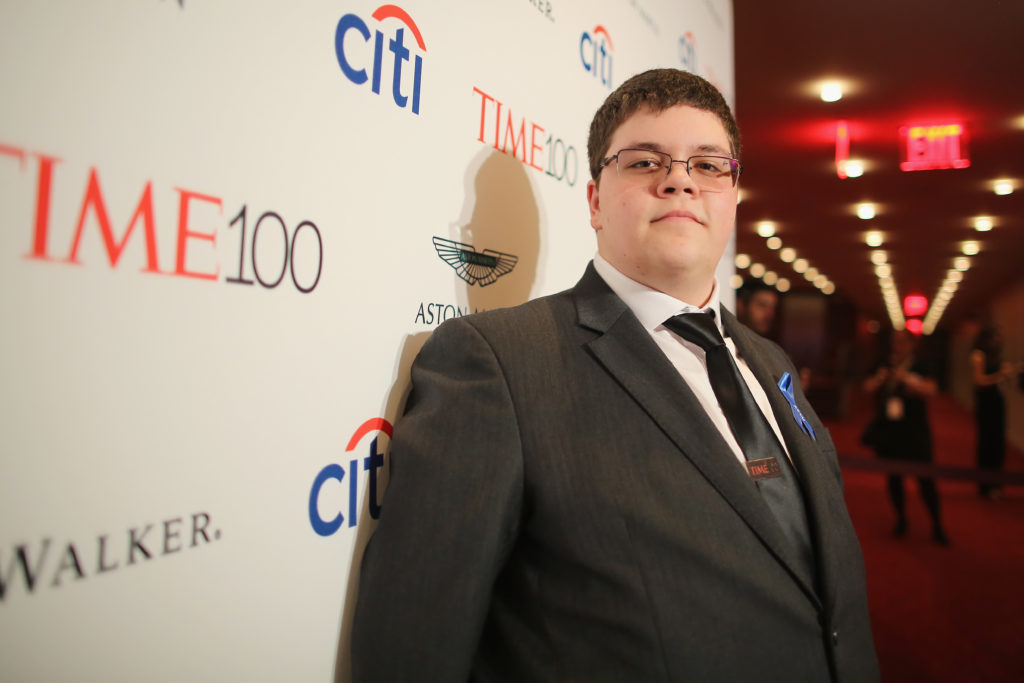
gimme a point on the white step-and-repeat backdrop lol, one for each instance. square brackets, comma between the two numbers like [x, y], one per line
[226, 227]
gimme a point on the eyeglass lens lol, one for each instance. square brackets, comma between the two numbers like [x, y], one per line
[708, 172]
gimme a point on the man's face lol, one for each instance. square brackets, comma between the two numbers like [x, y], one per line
[668, 234]
[760, 311]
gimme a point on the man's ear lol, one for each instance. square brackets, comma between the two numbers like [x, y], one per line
[594, 201]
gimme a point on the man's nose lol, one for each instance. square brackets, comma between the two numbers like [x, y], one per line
[677, 179]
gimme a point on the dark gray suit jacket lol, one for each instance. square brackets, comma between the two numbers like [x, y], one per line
[560, 508]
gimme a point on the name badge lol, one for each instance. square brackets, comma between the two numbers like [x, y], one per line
[894, 408]
[765, 468]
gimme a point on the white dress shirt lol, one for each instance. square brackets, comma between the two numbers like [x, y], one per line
[653, 308]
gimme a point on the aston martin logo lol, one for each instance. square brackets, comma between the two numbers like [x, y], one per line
[475, 267]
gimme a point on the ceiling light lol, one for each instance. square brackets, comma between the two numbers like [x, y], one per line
[771, 277]
[810, 274]
[982, 223]
[1003, 187]
[736, 281]
[757, 269]
[742, 261]
[962, 263]
[831, 92]
[866, 211]
[954, 276]
[873, 238]
[788, 255]
[883, 270]
[853, 168]
[765, 228]
[820, 281]
[970, 248]
[782, 285]
[878, 257]
[801, 265]
[774, 242]
[828, 288]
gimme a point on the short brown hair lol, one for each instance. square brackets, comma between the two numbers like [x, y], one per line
[657, 90]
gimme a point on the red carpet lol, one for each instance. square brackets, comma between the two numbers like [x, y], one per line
[941, 614]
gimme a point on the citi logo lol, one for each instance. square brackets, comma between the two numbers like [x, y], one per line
[349, 499]
[688, 52]
[352, 41]
[596, 54]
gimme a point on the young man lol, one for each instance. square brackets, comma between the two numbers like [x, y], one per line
[569, 500]
[756, 304]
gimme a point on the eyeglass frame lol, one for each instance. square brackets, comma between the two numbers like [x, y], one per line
[686, 162]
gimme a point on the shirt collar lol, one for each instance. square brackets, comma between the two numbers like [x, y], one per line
[650, 306]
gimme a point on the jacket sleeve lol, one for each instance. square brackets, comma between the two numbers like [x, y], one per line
[449, 516]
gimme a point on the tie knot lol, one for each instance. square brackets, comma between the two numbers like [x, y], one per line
[698, 328]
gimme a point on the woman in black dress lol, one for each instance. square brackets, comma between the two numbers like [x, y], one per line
[900, 429]
[989, 370]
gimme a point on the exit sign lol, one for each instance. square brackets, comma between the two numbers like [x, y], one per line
[929, 147]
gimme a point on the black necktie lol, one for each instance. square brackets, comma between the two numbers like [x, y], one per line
[767, 462]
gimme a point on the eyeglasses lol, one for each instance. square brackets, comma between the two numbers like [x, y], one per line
[708, 172]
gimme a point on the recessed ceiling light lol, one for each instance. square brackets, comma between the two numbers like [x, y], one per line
[742, 261]
[983, 223]
[853, 168]
[874, 238]
[878, 257]
[962, 263]
[866, 211]
[829, 288]
[788, 255]
[782, 285]
[970, 248]
[774, 242]
[757, 269]
[736, 281]
[1003, 187]
[954, 276]
[765, 228]
[831, 91]
[820, 281]
[801, 265]
[771, 277]
[810, 274]
[883, 270]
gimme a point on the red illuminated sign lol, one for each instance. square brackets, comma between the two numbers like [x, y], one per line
[931, 147]
[914, 304]
[842, 148]
[915, 326]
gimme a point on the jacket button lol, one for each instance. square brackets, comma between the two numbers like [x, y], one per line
[835, 637]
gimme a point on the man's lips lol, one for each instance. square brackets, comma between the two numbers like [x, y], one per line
[677, 215]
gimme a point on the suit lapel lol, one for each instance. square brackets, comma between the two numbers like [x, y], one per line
[627, 352]
[821, 489]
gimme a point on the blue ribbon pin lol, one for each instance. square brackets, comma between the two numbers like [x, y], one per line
[786, 385]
